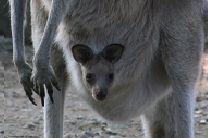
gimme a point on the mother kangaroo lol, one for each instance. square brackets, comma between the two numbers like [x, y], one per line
[162, 43]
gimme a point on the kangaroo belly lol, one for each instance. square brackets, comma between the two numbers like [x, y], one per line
[136, 85]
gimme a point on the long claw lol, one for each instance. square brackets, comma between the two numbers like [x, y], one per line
[55, 84]
[27, 88]
[42, 101]
[28, 92]
[44, 80]
[34, 103]
[34, 85]
[42, 94]
[50, 92]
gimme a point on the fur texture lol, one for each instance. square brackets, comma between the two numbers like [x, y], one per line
[157, 74]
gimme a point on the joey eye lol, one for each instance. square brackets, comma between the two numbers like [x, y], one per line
[111, 76]
[89, 77]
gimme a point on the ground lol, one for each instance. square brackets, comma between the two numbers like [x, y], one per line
[20, 119]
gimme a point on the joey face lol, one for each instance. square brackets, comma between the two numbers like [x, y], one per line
[98, 77]
[97, 70]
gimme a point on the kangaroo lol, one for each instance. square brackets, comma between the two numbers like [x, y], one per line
[155, 77]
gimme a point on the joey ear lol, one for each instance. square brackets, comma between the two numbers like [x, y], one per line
[82, 53]
[113, 52]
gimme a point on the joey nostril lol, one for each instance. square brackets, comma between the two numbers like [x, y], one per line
[101, 95]
[111, 76]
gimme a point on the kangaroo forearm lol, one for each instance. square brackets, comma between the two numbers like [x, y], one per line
[56, 14]
[17, 15]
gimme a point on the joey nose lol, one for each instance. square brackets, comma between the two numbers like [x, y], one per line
[101, 96]
[98, 94]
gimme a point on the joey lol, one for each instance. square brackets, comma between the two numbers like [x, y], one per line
[97, 69]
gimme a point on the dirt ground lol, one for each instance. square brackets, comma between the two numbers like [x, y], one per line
[20, 119]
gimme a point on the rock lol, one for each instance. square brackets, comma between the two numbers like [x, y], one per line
[203, 122]
[30, 125]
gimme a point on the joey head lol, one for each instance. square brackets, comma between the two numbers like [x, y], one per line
[97, 69]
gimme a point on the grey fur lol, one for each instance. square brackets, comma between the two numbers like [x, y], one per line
[157, 74]
[205, 18]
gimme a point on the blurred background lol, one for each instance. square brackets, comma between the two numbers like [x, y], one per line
[20, 119]
[5, 24]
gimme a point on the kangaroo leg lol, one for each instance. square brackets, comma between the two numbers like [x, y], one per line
[172, 117]
[53, 113]
[182, 44]
[159, 120]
